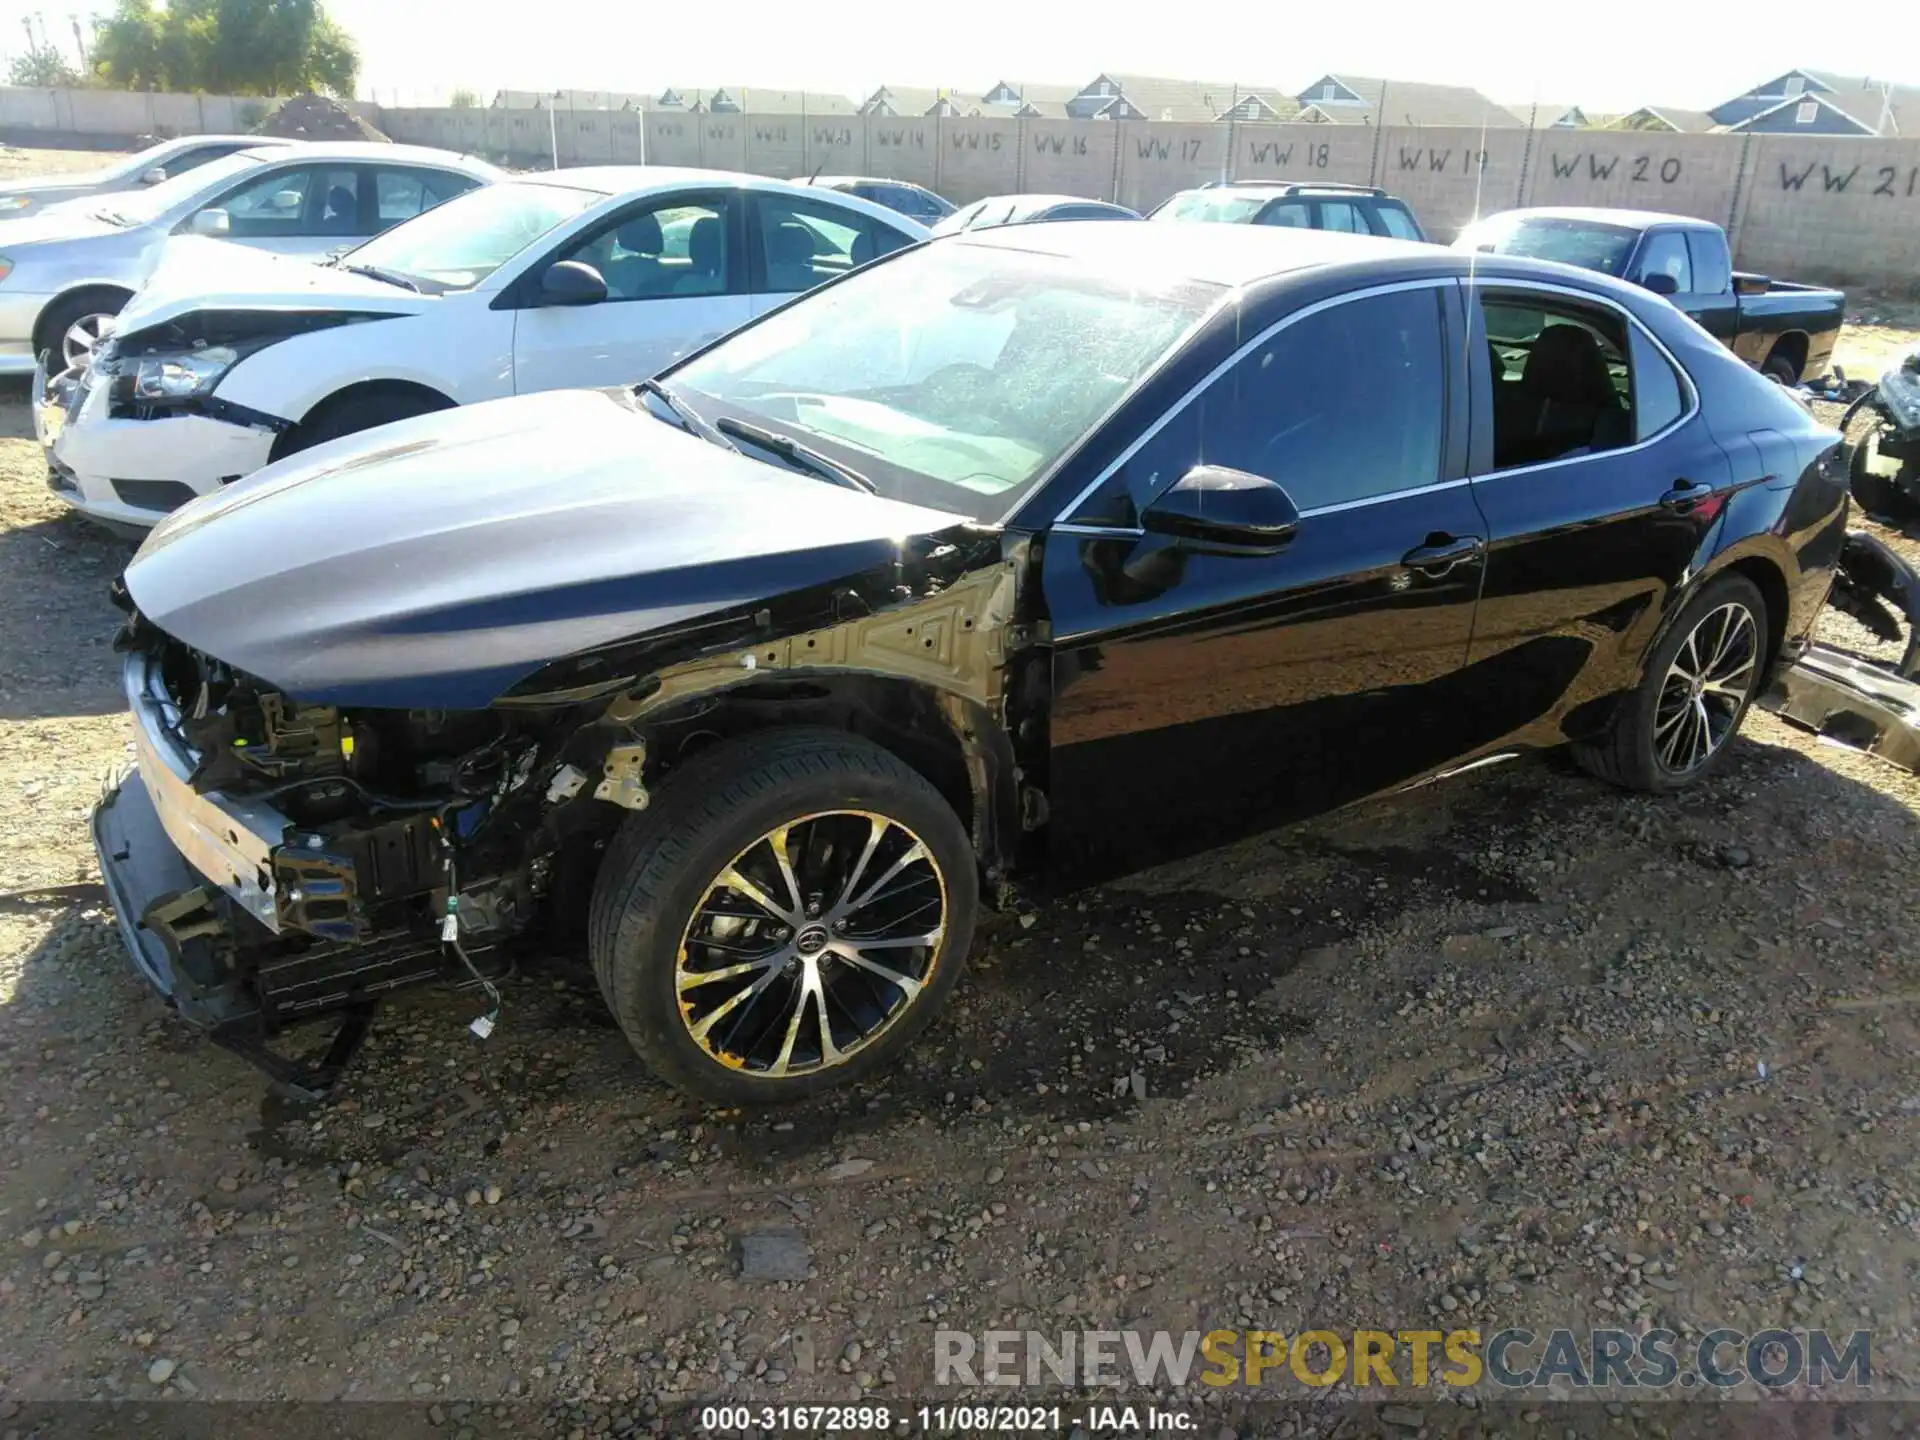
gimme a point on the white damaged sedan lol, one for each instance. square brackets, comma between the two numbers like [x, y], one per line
[586, 277]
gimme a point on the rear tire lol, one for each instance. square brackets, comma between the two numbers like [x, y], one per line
[826, 980]
[1675, 728]
[1782, 371]
[350, 415]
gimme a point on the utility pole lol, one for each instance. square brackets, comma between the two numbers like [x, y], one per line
[80, 44]
[553, 126]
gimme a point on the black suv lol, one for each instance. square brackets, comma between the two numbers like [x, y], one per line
[1355, 209]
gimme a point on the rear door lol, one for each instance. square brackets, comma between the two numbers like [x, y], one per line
[1602, 490]
[1199, 697]
[675, 270]
[795, 243]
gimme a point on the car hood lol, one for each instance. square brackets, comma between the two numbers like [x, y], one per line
[434, 563]
[73, 220]
[192, 272]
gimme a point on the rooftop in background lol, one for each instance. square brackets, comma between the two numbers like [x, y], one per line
[1362, 100]
[1842, 105]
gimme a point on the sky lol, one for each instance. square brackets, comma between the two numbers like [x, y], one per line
[1686, 53]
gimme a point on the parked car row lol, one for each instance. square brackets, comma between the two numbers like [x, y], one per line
[984, 568]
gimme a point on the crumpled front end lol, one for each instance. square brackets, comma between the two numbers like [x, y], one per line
[273, 862]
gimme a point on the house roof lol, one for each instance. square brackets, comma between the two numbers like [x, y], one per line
[1159, 98]
[1864, 99]
[1671, 117]
[907, 100]
[1824, 101]
[1367, 100]
[1546, 115]
[1034, 93]
[751, 99]
[1858, 98]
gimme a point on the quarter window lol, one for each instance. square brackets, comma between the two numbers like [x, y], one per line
[1562, 383]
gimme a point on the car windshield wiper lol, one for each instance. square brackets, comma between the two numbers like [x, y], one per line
[690, 421]
[389, 277]
[796, 454]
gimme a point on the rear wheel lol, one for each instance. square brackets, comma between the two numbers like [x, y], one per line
[791, 912]
[1781, 369]
[1675, 727]
[350, 414]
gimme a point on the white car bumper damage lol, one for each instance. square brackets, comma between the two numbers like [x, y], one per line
[132, 473]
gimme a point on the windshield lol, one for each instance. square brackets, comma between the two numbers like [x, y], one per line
[953, 376]
[1221, 205]
[457, 245]
[1586, 243]
[157, 200]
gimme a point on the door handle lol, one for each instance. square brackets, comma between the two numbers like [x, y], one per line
[1685, 495]
[1441, 553]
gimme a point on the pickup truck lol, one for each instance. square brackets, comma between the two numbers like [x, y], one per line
[1783, 330]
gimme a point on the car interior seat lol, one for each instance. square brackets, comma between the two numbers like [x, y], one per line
[1563, 403]
[633, 266]
[707, 257]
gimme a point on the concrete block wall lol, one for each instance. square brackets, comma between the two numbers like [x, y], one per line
[1831, 206]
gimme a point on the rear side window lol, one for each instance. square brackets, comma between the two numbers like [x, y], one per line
[1343, 216]
[1393, 220]
[1563, 383]
[1293, 214]
[1712, 271]
[802, 245]
[402, 194]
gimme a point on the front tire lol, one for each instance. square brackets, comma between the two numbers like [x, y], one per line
[72, 326]
[1675, 728]
[350, 414]
[791, 912]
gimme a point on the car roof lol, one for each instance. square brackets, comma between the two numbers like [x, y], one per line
[1603, 215]
[1232, 255]
[859, 180]
[617, 179]
[322, 150]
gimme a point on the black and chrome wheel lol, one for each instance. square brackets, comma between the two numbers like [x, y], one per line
[1706, 688]
[788, 915]
[1674, 728]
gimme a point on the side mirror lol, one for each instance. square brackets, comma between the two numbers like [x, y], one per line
[153, 176]
[1661, 283]
[212, 222]
[1226, 512]
[572, 282]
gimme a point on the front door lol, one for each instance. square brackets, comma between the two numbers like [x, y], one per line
[675, 275]
[1199, 697]
[1601, 486]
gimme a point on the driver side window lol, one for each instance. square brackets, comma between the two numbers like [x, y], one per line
[675, 249]
[1344, 404]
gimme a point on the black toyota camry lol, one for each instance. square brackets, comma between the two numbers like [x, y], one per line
[1003, 565]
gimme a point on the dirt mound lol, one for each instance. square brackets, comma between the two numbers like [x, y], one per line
[315, 117]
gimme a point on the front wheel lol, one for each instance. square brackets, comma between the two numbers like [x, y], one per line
[1674, 728]
[792, 911]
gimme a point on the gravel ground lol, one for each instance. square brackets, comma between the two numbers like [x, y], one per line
[1513, 1050]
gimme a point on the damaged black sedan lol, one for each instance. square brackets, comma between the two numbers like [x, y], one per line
[1006, 564]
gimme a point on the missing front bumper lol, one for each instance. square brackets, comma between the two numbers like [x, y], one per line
[1850, 700]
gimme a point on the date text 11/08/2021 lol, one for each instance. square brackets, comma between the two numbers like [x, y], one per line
[958, 1419]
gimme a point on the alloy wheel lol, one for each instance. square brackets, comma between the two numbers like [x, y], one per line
[77, 345]
[1705, 688]
[811, 943]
